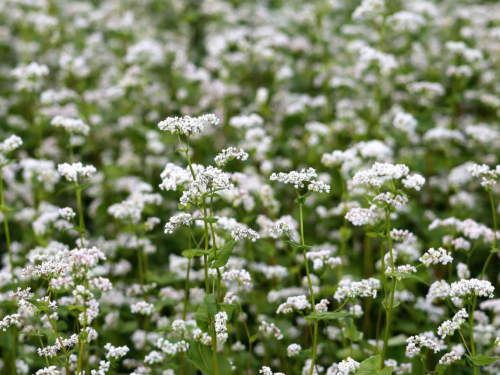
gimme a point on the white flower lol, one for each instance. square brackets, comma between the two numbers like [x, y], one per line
[279, 229]
[401, 269]
[188, 125]
[449, 327]
[72, 171]
[298, 303]
[415, 343]
[67, 213]
[433, 256]
[71, 125]
[295, 178]
[360, 216]
[179, 220]
[353, 289]
[348, 366]
[415, 181]
[142, 308]
[319, 187]
[293, 350]
[472, 287]
[449, 358]
[10, 144]
[9, 320]
[229, 154]
[115, 352]
[179, 326]
[242, 232]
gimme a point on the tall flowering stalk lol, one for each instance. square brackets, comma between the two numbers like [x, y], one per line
[299, 180]
[384, 179]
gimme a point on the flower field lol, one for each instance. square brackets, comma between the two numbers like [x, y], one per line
[260, 187]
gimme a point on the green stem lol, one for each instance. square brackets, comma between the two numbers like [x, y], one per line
[393, 288]
[315, 337]
[494, 235]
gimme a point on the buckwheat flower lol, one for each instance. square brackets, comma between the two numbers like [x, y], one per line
[360, 216]
[71, 125]
[267, 371]
[72, 171]
[280, 229]
[192, 196]
[348, 366]
[438, 290]
[401, 269]
[29, 77]
[213, 179]
[166, 346]
[49, 269]
[390, 199]
[115, 352]
[179, 220]
[415, 343]
[9, 320]
[333, 262]
[472, 287]
[319, 187]
[153, 357]
[229, 154]
[295, 178]
[449, 327]
[463, 271]
[433, 256]
[174, 176]
[461, 243]
[242, 276]
[242, 232]
[449, 358]
[322, 306]
[10, 144]
[151, 223]
[142, 308]
[353, 289]
[67, 213]
[293, 350]
[270, 329]
[52, 370]
[371, 10]
[188, 125]
[414, 181]
[489, 177]
[220, 325]
[298, 303]
[405, 122]
[356, 311]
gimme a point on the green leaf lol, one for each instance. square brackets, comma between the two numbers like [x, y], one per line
[228, 308]
[394, 305]
[397, 340]
[404, 275]
[440, 370]
[223, 256]
[180, 149]
[6, 209]
[81, 308]
[190, 254]
[327, 316]
[211, 302]
[495, 250]
[201, 317]
[201, 357]
[253, 338]
[293, 243]
[482, 360]
[371, 364]
[32, 334]
[372, 234]
[40, 306]
[387, 370]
